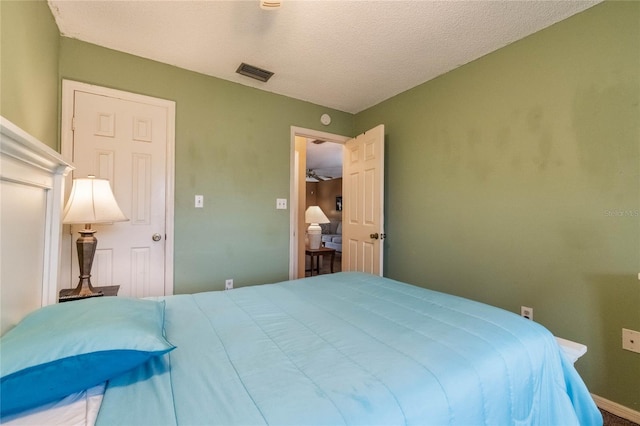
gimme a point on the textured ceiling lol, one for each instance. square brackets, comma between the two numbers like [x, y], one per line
[347, 55]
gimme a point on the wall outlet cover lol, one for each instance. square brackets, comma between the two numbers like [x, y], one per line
[631, 340]
[526, 312]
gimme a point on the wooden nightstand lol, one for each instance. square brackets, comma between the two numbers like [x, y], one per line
[109, 290]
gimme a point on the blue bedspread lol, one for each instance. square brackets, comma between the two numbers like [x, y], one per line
[348, 348]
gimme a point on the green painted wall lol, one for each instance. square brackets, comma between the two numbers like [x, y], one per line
[233, 146]
[515, 180]
[29, 44]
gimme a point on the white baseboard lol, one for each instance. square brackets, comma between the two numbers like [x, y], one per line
[617, 409]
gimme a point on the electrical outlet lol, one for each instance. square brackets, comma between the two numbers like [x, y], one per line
[228, 284]
[526, 312]
[631, 340]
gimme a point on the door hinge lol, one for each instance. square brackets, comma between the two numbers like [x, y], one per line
[73, 124]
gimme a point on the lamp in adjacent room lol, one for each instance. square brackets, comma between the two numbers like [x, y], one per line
[315, 216]
[91, 201]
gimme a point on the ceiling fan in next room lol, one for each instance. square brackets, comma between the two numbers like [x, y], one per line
[323, 160]
[313, 176]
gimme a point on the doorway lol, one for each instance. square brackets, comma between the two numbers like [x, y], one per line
[324, 191]
[298, 190]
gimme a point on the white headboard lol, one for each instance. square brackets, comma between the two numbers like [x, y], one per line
[32, 177]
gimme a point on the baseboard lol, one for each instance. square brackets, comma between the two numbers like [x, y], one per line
[617, 409]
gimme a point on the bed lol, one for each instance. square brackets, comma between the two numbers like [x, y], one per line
[32, 178]
[345, 348]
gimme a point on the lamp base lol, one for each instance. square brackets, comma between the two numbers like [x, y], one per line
[314, 231]
[84, 289]
[86, 246]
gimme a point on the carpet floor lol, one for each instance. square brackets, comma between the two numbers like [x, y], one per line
[613, 420]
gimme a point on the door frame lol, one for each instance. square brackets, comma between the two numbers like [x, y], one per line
[295, 169]
[66, 148]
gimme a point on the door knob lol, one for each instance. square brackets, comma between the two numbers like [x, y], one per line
[156, 237]
[374, 236]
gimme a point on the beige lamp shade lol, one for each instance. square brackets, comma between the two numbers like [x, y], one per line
[92, 201]
[314, 214]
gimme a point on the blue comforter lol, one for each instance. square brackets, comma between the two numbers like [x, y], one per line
[348, 348]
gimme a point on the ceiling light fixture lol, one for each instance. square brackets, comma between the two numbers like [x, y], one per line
[270, 5]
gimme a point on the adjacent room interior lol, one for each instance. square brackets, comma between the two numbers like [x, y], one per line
[324, 189]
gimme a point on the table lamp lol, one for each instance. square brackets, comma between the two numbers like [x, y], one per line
[314, 216]
[91, 201]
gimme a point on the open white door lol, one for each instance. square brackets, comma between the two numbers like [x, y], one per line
[363, 202]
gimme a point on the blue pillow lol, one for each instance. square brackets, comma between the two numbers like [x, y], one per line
[65, 348]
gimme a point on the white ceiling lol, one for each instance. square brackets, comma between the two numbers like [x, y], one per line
[347, 55]
[325, 159]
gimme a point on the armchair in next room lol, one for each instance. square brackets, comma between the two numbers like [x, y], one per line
[332, 235]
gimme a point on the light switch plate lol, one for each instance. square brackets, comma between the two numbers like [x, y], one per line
[199, 201]
[281, 203]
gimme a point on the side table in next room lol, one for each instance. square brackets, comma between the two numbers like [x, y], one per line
[315, 253]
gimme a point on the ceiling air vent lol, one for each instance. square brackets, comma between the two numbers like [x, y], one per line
[254, 72]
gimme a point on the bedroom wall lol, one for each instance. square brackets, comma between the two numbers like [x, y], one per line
[29, 42]
[233, 145]
[515, 180]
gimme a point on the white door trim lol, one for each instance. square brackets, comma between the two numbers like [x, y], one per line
[293, 188]
[66, 136]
